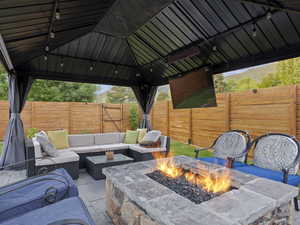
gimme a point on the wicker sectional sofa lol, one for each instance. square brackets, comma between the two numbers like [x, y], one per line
[83, 145]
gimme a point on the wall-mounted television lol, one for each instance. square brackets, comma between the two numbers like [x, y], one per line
[193, 90]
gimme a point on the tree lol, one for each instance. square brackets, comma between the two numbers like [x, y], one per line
[246, 84]
[58, 91]
[134, 117]
[118, 94]
[163, 96]
[271, 80]
[3, 84]
[219, 83]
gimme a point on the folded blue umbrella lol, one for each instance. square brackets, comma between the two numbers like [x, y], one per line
[36, 192]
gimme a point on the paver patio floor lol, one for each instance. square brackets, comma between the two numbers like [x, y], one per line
[91, 191]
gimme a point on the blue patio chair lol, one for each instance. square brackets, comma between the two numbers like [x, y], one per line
[276, 157]
[35, 192]
[231, 145]
[70, 211]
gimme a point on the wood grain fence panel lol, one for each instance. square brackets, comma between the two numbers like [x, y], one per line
[126, 117]
[50, 115]
[160, 117]
[112, 117]
[85, 118]
[4, 106]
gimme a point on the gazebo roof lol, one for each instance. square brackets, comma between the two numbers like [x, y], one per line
[131, 42]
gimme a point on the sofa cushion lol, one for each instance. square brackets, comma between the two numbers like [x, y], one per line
[77, 140]
[163, 141]
[99, 148]
[59, 138]
[29, 194]
[131, 137]
[141, 149]
[151, 136]
[62, 157]
[37, 148]
[71, 208]
[107, 138]
[45, 143]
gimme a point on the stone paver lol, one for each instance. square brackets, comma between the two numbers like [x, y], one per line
[91, 191]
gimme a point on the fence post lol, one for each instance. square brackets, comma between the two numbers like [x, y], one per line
[293, 111]
[227, 112]
[168, 118]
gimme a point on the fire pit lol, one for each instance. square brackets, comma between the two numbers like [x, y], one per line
[184, 191]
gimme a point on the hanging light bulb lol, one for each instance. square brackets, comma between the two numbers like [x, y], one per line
[57, 14]
[91, 68]
[61, 63]
[52, 34]
[47, 48]
[269, 15]
[45, 57]
[214, 48]
[116, 71]
[254, 30]
[151, 70]
[138, 74]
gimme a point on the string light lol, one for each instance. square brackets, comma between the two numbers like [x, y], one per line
[57, 14]
[116, 72]
[61, 62]
[45, 57]
[52, 34]
[254, 30]
[47, 48]
[151, 70]
[269, 15]
[138, 74]
[214, 48]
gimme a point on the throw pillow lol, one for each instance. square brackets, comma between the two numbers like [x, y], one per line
[131, 137]
[141, 135]
[151, 136]
[46, 145]
[37, 148]
[59, 138]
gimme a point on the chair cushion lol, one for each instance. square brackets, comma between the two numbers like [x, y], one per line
[59, 138]
[107, 138]
[141, 149]
[45, 143]
[62, 157]
[71, 208]
[99, 148]
[220, 161]
[29, 194]
[131, 137]
[269, 174]
[78, 140]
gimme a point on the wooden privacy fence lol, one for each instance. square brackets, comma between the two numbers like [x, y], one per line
[267, 110]
[76, 117]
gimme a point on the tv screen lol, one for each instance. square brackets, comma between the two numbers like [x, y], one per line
[194, 90]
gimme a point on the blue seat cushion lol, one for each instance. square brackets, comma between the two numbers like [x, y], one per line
[220, 161]
[29, 194]
[70, 208]
[269, 174]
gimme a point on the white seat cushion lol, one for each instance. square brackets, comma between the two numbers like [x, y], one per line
[62, 157]
[108, 138]
[78, 140]
[141, 149]
[99, 148]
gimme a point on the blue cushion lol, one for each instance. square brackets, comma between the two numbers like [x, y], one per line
[220, 161]
[269, 174]
[27, 195]
[71, 208]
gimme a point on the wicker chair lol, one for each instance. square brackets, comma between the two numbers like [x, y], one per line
[276, 157]
[231, 145]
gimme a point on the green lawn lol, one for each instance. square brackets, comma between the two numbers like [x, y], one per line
[178, 148]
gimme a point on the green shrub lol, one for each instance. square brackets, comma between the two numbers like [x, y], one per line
[133, 117]
[31, 132]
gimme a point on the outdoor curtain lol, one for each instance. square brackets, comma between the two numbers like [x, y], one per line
[13, 154]
[145, 95]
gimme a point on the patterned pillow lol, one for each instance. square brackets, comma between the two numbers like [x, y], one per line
[152, 136]
[142, 133]
[46, 145]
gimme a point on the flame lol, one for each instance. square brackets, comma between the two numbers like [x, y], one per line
[216, 181]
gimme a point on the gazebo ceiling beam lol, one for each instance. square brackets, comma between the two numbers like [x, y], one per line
[4, 56]
[45, 75]
[210, 41]
[93, 60]
[271, 4]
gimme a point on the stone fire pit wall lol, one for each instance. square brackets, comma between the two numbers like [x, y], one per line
[132, 198]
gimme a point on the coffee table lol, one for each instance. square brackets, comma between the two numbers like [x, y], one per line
[95, 164]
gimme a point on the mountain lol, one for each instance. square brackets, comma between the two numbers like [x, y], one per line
[256, 73]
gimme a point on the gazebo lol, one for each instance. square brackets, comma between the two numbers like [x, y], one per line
[140, 44]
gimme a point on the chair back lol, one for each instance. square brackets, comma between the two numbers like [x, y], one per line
[277, 151]
[233, 144]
